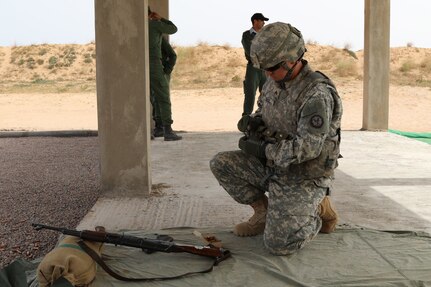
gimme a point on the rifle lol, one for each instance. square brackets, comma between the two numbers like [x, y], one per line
[147, 245]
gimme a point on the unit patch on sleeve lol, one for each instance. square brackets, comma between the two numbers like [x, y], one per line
[316, 121]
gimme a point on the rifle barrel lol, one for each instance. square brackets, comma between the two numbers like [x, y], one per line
[38, 226]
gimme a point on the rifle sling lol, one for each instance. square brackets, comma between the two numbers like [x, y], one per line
[117, 276]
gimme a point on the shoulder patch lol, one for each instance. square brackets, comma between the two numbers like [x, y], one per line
[316, 121]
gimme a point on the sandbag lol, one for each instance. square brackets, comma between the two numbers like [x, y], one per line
[69, 261]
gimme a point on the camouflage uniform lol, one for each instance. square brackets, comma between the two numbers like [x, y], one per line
[302, 118]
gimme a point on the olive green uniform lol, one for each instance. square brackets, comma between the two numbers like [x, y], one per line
[158, 83]
[254, 78]
[169, 58]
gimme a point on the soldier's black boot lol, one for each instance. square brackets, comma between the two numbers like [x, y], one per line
[158, 131]
[170, 135]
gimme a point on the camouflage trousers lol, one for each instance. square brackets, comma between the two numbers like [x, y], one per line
[292, 219]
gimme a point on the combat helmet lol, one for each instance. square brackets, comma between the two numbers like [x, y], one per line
[275, 43]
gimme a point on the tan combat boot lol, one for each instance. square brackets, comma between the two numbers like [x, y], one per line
[328, 215]
[256, 224]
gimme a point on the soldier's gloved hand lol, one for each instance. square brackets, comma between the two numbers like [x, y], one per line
[253, 146]
[243, 123]
[249, 123]
[255, 122]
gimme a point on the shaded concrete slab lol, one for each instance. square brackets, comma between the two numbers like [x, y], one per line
[383, 182]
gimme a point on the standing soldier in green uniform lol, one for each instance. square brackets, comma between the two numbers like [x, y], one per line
[169, 58]
[254, 78]
[157, 26]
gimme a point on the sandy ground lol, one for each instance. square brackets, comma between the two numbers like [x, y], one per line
[202, 110]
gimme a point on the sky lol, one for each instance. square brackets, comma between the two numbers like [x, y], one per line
[327, 22]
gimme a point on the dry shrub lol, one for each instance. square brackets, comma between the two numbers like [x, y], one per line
[185, 54]
[202, 44]
[199, 79]
[234, 62]
[69, 56]
[31, 63]
[19, 51]
[226, 46]
[425, 65]
[42, 51]
[87, 58]
[187, 60]
[346, 68]
[329, 56]
[407, 66]
[351, 53]
[236, 80]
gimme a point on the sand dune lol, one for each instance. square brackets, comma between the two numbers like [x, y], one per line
[38, 93]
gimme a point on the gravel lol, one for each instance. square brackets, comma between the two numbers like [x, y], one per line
[49, 180]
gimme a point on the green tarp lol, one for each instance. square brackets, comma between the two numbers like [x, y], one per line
[347, 257]
[423, 137]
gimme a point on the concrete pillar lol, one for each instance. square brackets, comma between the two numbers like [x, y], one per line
[123, 96]
[376, 65]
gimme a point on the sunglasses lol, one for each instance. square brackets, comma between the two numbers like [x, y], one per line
[274, 68]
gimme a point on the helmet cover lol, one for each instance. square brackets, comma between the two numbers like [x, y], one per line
[275, 43]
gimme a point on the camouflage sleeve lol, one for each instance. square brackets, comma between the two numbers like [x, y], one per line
[269, 85]
[259, 105]
[313, 128]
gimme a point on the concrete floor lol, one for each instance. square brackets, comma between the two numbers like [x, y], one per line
[383, 182]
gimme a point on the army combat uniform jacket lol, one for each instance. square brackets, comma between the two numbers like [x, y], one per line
[303, 119]
[302, 122]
